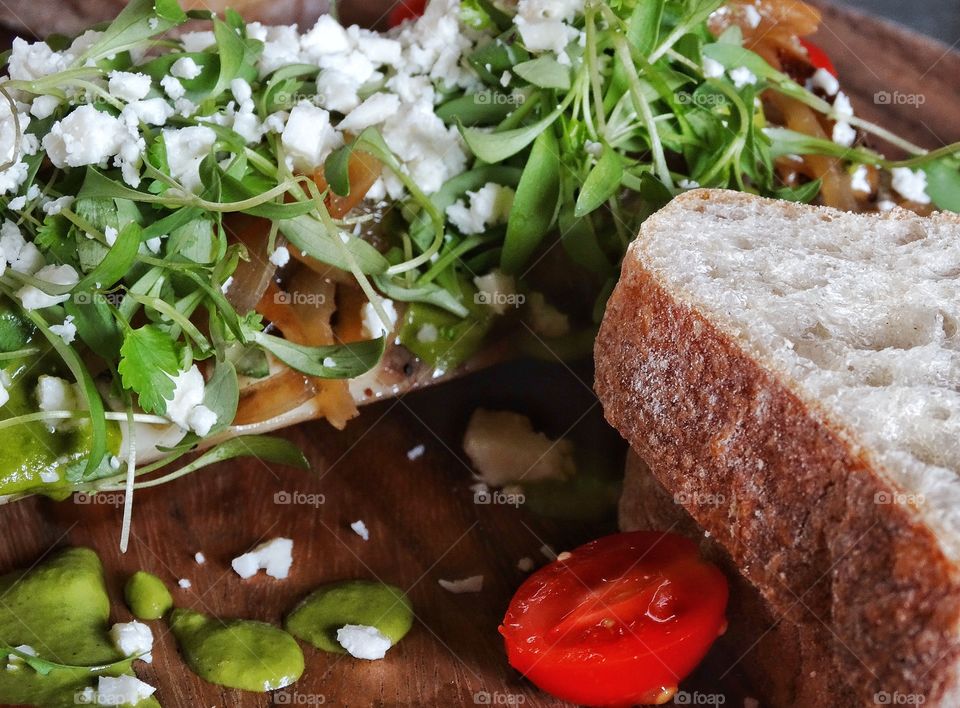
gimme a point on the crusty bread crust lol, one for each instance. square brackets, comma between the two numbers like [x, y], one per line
[789, 498]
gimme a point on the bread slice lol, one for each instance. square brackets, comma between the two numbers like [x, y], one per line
[793, 373]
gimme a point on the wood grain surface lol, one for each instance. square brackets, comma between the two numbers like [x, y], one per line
[423, 521]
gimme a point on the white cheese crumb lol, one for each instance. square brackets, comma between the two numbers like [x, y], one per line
[199, 558]
[308, 137]
[122, 690]
[133, 638]
[505, 79]
[194, 42]
[742, 76]
[363, 642]
[859, 180]
[186, 408]
[274, 556]
[89, 137]
[110, 234]
[751, 15]
[185, 68]
[712, 69]
[128, 86]
[377, 109]
[361, 530]
[186, 149]
[467, 585]
[14, 662]
[415, 453]
[34, 299]
[55, 206]
[44, 106]
[525, 564]
[66, 331]
[280, 257]
[688, 184]
[373, 326]
[825, 81]
[489, 205]
[173, 88]
[843, 133]
[184, 583]
[545, 319]
[428, 333]
[910, 184]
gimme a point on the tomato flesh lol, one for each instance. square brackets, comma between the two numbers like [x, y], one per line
[818, 58]
[406, 10]
[620, 621]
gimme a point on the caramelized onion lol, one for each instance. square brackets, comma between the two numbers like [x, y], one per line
[252, 276]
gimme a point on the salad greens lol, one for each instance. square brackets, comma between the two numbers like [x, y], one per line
[133, 259]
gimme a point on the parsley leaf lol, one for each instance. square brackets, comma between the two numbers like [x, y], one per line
[147, 356]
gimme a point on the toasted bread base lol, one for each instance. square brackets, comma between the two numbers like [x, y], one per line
[783, 491]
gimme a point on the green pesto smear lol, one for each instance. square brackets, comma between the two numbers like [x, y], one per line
[60, 608]
[33, 450]
[147, 596]
[244, 654]
[318, 617]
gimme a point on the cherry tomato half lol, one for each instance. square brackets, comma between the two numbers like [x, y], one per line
[619, 621]
[818, 57]
[406, 10]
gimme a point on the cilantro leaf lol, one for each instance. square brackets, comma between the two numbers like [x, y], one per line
[147, 360]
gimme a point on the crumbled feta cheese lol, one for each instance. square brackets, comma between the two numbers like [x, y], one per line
[66, 331]
[241, 90]
[281, 45]
[416, 452]
[185, 68]
[859, 180]
[14, 662]
[122, 690]
[363, 642]
[843, 133]
[186, 408]
[33, 298]
[186, 149]
[280, 257]
[55, 206]
[194, 42]
[31, 61]
[886, 205]
[56, 394]
[110, 234]
[308, 137]
[751, 15]
[275, 556]
[88, 137]
[185, 583]
[489, 205]
[361, 530]
[128, 86]
[543, 23]
[199, 558]
[496, 290]
[173, 88]
[374, 111]
[373, 326]
[742, 76]
[133, 638]
[17, 203]
[824, 81]
[525, 564]
[505, 79]
[472, 584]
[431, 151]
[152, 111]
[4, 383]
[910, 184]
[688, 184]
[44, 106]
[326, 37]
[712, 69]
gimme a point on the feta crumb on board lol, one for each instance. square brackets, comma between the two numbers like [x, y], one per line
[133, 638]
[274, 556]
[466, 585]
[416, 452]
[361, 530]
[280, 257]
[121, 690]
[199, 558]
[363, 642]
[185, 583]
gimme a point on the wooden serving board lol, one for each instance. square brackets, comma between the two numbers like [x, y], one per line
[423, 521]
